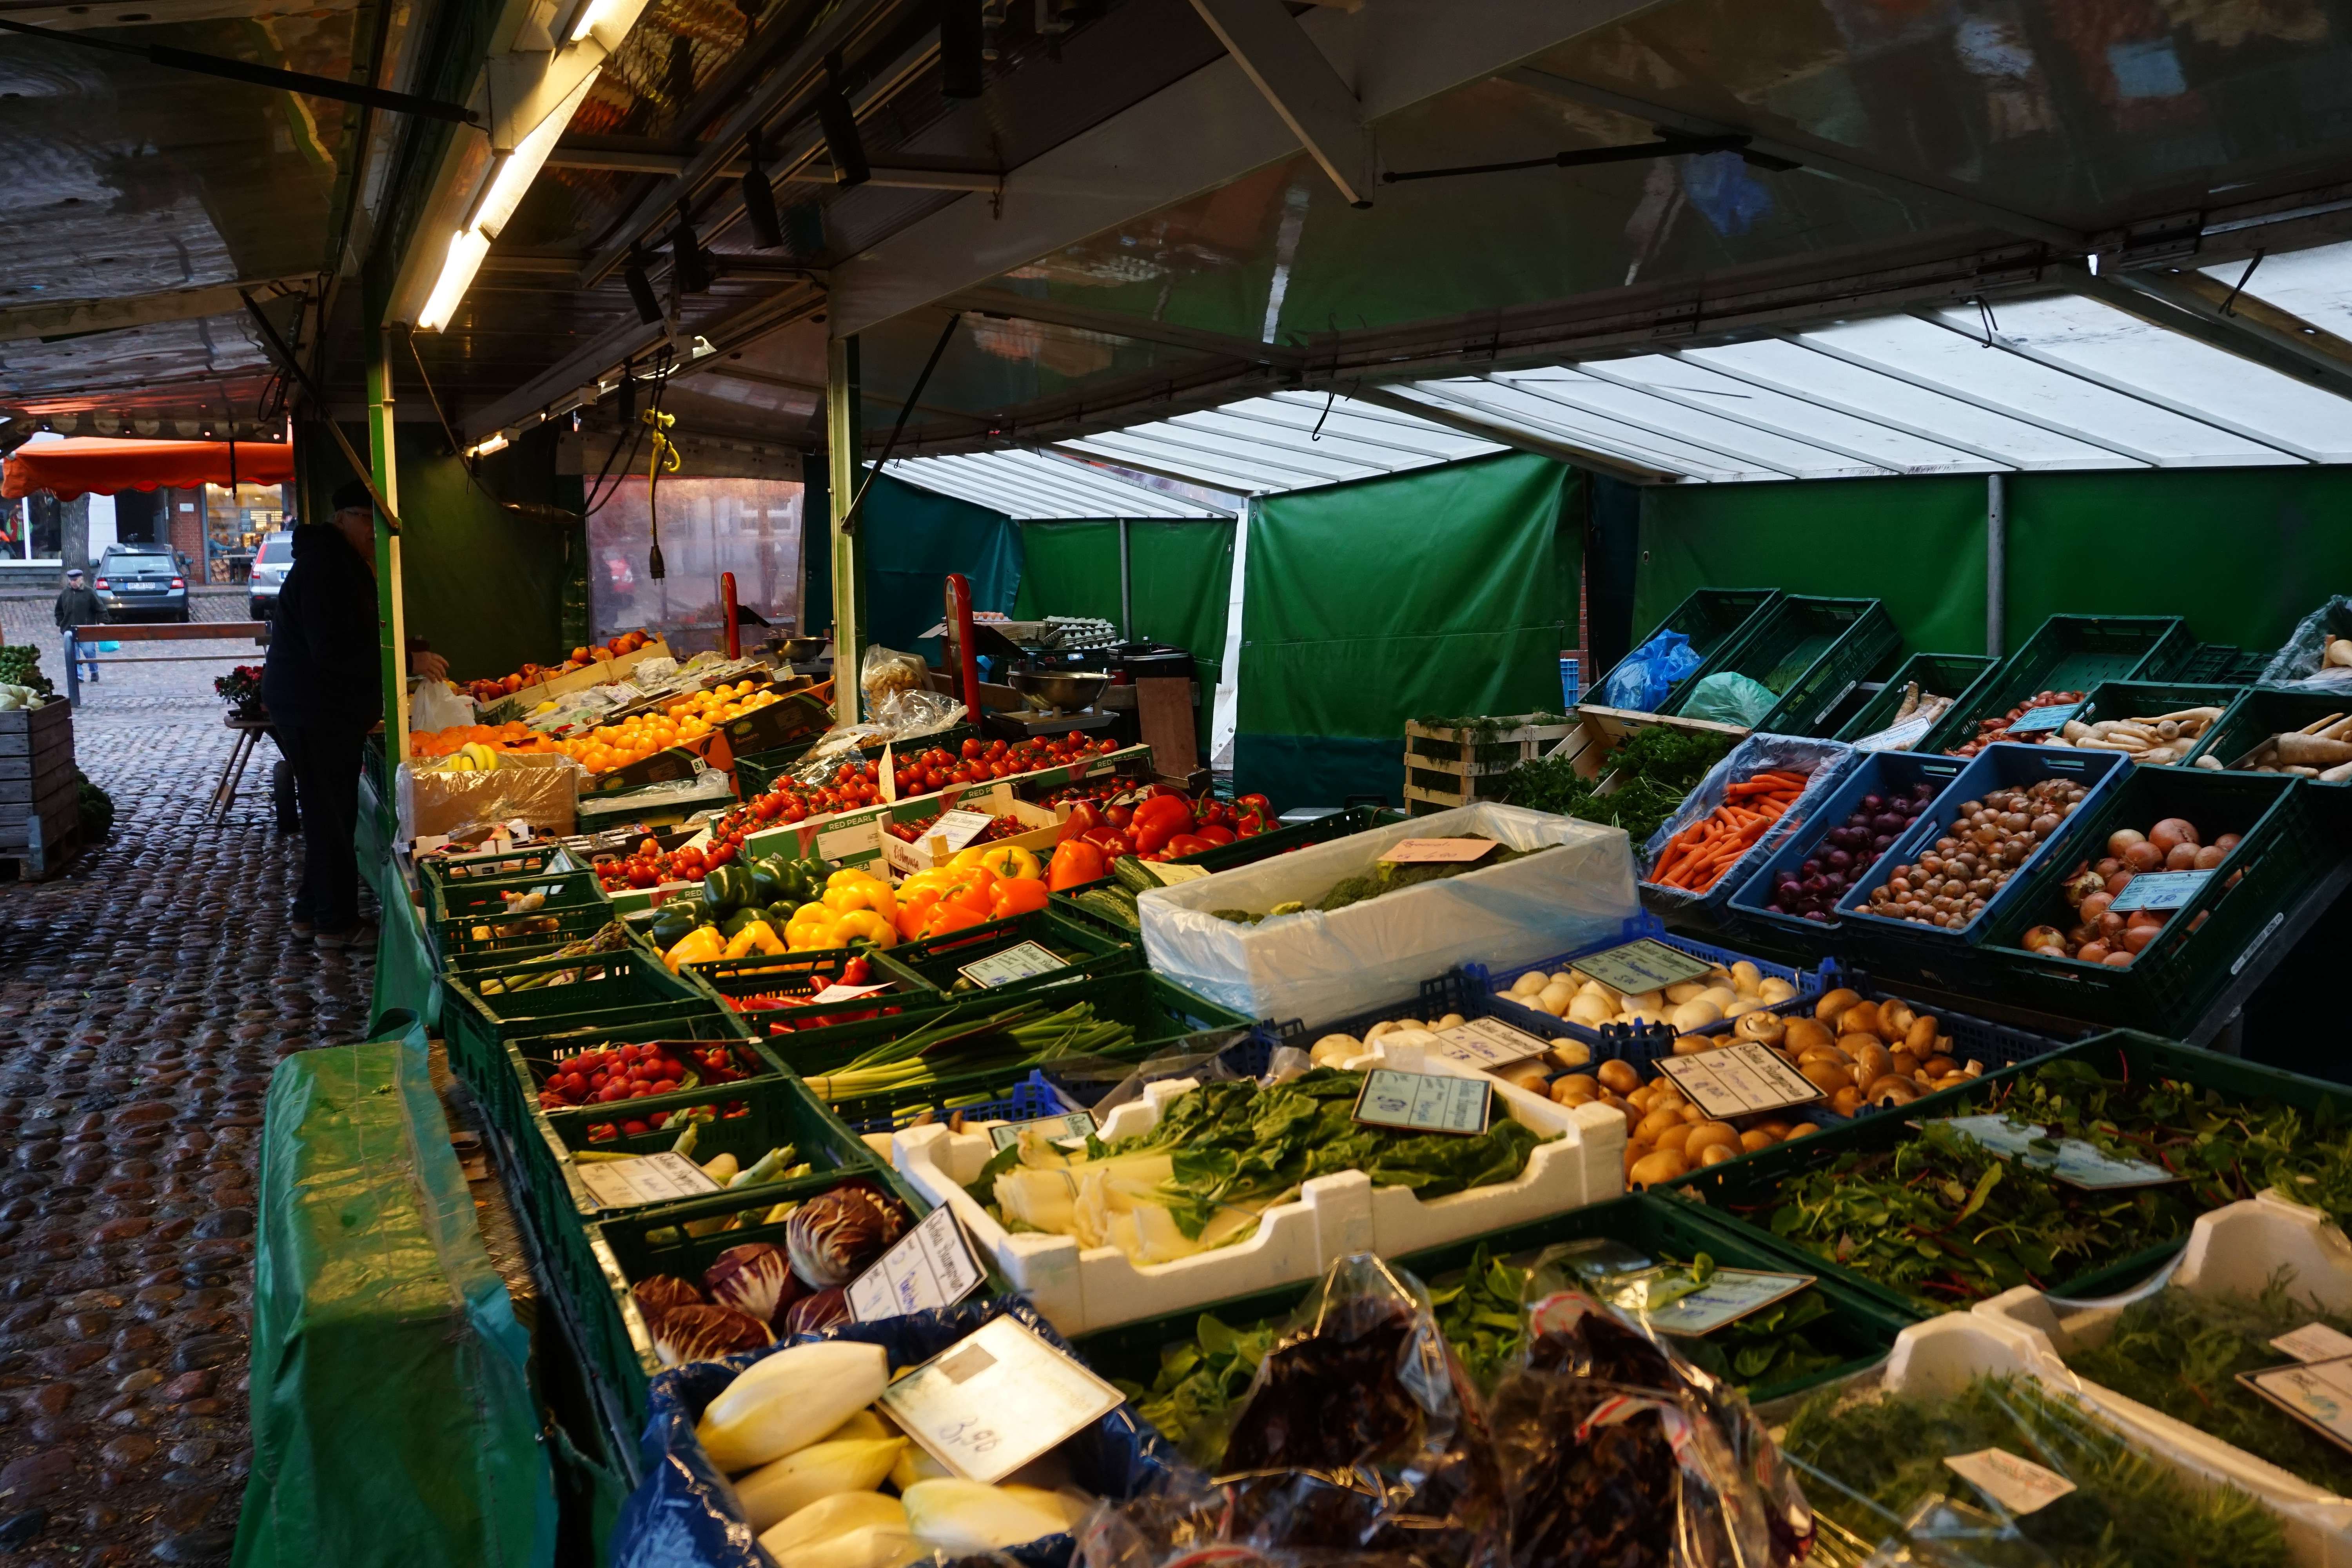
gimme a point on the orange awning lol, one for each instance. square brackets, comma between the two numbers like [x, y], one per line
[81, 465]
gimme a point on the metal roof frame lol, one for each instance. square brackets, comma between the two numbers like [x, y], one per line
[1030, 486]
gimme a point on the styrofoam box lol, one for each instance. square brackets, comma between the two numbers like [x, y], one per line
[2232, 1250]
[1315, 967]
[1081, 1289]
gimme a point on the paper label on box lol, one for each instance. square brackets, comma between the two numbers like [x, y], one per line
[1739, 1080]
[1643, 965]
[1433, 851]
[2318, 1394]
[1903, 736]
[1172, 872]
[1489, 1043]
[846, 993]
[845, 843]
[2159, 890]
[2018, 1484]
[886, 776]
[1727, 1295]
[959, 828]
[2071, 1160]
[1018, 962]
[996, 1401]
[1077, 1125]
[931, 1266]
[1424, 1102]
[2315, 1341]
[647, 1179]
[2040, 721]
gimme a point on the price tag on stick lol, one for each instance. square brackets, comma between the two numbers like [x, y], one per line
[931, 1266]
[2165, 891]
[2040, 721]
[2318, 1394]
[959, 828]
[1489, 1043]
[1059, 1128]
[997, 1401]
[648, 1179]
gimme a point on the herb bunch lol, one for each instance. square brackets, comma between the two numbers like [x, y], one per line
[1652, 770]
[2181, 1354]
[1869, 1464]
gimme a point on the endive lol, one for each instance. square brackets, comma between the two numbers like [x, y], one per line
[835, 1516]
[790, 1399]
[955, 1515]
[777, 1490]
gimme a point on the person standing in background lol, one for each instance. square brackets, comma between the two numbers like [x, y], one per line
[78, 607]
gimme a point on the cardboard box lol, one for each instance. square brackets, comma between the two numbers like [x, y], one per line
[996, 800]
[604, 671]
[542, 788]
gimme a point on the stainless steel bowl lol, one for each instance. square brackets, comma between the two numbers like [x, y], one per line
[798, 650]
[1068, 690]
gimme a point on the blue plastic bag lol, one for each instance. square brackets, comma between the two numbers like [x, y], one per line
[684, 1514]
[1645, 678]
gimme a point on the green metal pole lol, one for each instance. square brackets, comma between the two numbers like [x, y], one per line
[382, 456]
[841, 439]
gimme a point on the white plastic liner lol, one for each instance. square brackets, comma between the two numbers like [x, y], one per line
[1316, 967]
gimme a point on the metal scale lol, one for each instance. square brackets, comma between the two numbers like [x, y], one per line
[1057, 691]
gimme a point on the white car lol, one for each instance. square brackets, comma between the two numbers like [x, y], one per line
[271, 564]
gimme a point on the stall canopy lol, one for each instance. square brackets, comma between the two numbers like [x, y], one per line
[1039, 487]
[71, 468]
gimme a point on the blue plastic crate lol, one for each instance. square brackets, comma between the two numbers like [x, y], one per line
[1878, 773]
[1810, 982]
[2002, 764]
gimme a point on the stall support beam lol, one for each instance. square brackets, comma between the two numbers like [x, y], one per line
[1996, 561]
[841, 442]
[1126, 589]
[382, 458]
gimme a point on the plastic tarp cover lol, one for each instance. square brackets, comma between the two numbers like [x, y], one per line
[2303, 662]
[485, 589]
[393, 1420]
[685, 1515]
[1314, 966]
[1826, 761]
[909, 540]
[1179, 578]
[1448, 591]
[406, 978]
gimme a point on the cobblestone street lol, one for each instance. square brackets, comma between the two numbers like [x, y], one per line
[145, 996]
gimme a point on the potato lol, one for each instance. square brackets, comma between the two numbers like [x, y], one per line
[1665, 1091]
[1755, 1139]
[1664, 1165]
[1695, 1014]
[1677, 1138]
[1705, 1133]
[1619, 1076]
[1570, 1053]
[1847, 1101]
[1527, 1074]
[1693, 1114]
[1635, 1152]
[1801, 1130]
[1582, 1085]
[1834, 1003]
[1657, 1121]
[1716, 1154]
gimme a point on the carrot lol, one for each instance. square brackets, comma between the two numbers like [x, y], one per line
[1695, 858]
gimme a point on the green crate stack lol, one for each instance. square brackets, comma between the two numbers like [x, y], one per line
[1809, 651]
[2261, 713]
[1709, 617]
[2153, 698]
[1860, 1328]
[756, 773]
[484, 1008]
[437, 871]
[1085, 948]
[1741, 1195]
[576, 888]
[470, 942]
[738, 985]
[1953, 675]
[2219, 664]
[531, 1059]
[625, 1248]
[1158, 1013]
[2283, 851]
[2066, 652]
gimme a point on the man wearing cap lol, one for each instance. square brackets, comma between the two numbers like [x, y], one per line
[321, 684]
[78, 607]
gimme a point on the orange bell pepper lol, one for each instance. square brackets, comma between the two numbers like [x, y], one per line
[1075, 861]
[1016, 896]
[948, 915]
[914, 907]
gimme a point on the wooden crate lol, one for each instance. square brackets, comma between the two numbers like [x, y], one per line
[1586, 743]
[45, 852]
[1445, 768]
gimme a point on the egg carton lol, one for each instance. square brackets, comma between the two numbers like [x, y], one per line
[2232, 1250]
[1081, 1289]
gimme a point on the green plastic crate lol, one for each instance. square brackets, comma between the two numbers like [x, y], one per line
[2150, 698]
[1086, 948]
[1953, 675]
[2211, 663]
[1741, 1193]
[1809, 651]
[1860, 1328]
[472, 897]
[435, 871]
[469, 944]
[755, 773]
[2066, 652]
[530, 1059]
[1709, 617]
[1159, 1012]
[482, 1009]
[2261, 713]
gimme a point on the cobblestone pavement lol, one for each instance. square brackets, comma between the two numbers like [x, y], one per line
[145, 996]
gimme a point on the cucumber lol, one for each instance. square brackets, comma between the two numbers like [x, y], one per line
[1133, 875]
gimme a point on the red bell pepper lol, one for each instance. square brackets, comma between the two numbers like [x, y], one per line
[1257, 802]
[1214, 832]
[1115, 845]
[1083, 819]
[1249, 825]
[1169, 811]
[1076, 862]
[1150, 839]
[1185, 844]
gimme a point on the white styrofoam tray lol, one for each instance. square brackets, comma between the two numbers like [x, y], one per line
[2232, 1250]
[1316, 967]
[1081, 1289]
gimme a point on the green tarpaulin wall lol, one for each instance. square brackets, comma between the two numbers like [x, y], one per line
[1179, 578]
[911, 539]
[1449, 591]
[393, 1415]
[2242, 553]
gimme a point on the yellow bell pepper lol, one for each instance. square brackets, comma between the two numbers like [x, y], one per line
[700, 945]
[812, 926]
[1008, 860]
[870, 926]
[845, 898]
[759, 937]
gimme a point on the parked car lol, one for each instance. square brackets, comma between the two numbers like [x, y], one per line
[142, 582]
[271, 564]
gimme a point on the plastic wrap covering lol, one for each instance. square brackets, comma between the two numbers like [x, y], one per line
[1730, 698]
[2303, 662]
[1647, 676]
[901, 716]
[1826, 761]
[686, 1515]
[539, 789]
[1316, 966]
[437, 705]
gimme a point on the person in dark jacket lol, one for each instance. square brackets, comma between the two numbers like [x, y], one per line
[78, 607]
[322, 684]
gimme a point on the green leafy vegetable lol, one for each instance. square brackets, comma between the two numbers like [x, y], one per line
[2181, 1354]
[1387, 876]
[1646, 780]
[2127, 1510]
[1480, 1317]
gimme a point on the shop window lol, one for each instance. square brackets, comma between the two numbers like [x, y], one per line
[46, 527]
[235, 524]
[749, 527]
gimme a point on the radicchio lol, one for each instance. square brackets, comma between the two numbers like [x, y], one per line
[753, 1279]
[835, 1236]
[706, 1334]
